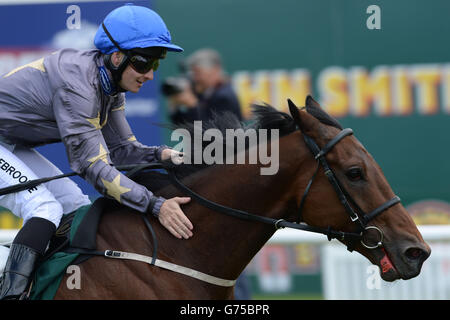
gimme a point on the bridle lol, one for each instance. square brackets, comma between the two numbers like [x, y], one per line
[359, 216]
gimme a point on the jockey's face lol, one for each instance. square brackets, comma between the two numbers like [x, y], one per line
[131, 80]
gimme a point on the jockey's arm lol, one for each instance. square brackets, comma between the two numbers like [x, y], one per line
[80, 127]
[122, 144]
[124, 147]
[95, 167]
[89, 156]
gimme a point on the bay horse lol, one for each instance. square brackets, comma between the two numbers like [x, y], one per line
[223, 245]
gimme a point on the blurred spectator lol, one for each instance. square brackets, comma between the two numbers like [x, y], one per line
[209, 90]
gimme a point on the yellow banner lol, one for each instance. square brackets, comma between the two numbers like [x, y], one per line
[398, 90]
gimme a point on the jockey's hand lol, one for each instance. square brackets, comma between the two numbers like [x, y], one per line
[173, 218]
[170, 154]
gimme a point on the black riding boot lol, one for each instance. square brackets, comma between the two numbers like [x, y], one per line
[18, 269]
[28, 246]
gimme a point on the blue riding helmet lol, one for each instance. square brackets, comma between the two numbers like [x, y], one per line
[133, 27]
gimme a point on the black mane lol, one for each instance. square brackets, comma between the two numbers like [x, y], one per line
[264, 117]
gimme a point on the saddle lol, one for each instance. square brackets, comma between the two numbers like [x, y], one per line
[84, 237]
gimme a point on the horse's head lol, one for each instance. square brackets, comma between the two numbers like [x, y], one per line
[390, 239]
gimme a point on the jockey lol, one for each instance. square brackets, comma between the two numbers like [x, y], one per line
[78, 97]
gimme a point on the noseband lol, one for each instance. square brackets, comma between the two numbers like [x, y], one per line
[358, 215]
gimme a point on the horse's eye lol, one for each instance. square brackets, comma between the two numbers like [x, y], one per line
[354, 174]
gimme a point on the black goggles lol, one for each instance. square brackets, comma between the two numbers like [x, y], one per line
[143, 64]
[140, 63]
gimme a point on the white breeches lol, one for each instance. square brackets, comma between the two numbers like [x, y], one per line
[49, 200]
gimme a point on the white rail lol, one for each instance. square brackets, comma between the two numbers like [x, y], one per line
[290, 236]
[350, 276]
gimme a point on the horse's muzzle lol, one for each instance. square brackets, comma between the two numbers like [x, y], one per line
[407, 260]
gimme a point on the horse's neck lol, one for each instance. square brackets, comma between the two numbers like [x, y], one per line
[229, 241]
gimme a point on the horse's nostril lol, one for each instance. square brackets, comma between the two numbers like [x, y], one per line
[415, 253]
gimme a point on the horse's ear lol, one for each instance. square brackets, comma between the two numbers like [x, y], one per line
[310, 103]
[306, 123]
[314, 108]
[293, 109]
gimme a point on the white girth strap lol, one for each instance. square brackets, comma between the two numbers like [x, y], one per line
[170, 266]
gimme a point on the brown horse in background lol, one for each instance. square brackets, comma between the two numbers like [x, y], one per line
[223, 246]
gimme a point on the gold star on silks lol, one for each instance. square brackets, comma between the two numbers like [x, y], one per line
[38, 65]
[102, 155]
[95, 121]
[114, 189]
[122, 107]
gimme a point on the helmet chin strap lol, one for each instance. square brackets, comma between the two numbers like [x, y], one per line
[116, 71]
